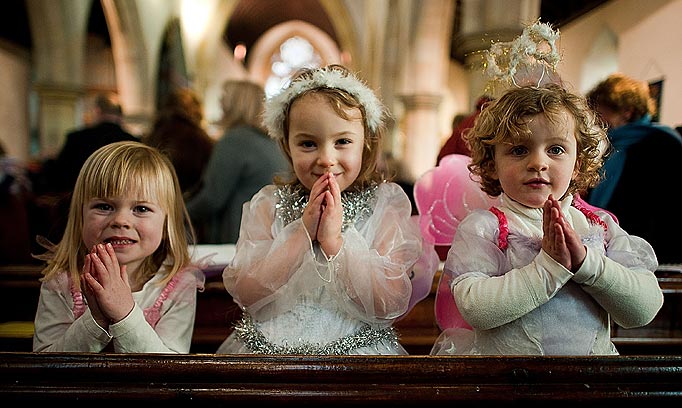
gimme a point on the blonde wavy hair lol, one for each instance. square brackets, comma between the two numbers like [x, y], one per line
[242, 103]
[114, 170]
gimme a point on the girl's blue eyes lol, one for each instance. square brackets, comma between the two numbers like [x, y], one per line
[109, 207]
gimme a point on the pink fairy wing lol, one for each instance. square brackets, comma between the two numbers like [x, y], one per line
[447, 313]
[445, 195]
[428, 196]
[442, 225]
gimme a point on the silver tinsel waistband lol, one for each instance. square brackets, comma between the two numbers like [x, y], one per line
[249, 334]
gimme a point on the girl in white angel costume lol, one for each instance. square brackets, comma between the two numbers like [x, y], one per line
[323, 261]
[542, 273]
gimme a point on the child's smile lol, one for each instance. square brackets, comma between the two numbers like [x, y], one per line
[322, 142]
[134, 228]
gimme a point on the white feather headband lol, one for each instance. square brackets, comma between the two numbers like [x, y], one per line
[332, 77]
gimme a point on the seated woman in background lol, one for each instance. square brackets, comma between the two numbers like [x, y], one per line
[243, 161]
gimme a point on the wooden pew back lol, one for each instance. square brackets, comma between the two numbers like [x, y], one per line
[210, 380]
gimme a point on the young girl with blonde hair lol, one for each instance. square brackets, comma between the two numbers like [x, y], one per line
[121, 279]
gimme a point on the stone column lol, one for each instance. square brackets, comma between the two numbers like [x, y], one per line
[425, 62]
[58, 30]
[483, 22]
[420, 124]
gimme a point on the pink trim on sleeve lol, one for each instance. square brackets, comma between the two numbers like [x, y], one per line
[79, 305]
[153, 314]
[504, 228]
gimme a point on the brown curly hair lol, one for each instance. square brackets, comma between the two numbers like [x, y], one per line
[503, 121]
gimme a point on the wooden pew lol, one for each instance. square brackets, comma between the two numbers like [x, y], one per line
[210, 380]
[216, 313]
[19, 290]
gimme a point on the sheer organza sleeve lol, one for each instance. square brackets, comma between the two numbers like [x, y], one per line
[273, 263]
[373, 268]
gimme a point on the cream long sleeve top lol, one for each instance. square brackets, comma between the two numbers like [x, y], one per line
[162, 320]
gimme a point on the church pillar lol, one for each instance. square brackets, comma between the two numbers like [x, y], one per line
[58, 29]
[423, 83]
[58, 108]
[420, 124]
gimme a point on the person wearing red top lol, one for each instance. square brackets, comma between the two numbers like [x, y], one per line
[455, 143]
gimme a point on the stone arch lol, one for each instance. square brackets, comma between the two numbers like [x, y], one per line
[338, 13]
[131, 59]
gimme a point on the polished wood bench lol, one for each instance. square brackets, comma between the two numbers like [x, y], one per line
[19, 290]
[210, 380]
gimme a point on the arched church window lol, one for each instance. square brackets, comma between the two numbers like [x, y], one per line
[294, 53]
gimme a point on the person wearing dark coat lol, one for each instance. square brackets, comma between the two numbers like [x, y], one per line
[243, 160]
[637, 174]
[178, 132]
[81, 143]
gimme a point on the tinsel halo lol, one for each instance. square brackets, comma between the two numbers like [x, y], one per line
[531, 59]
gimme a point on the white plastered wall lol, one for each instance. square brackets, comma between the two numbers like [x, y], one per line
[645, 44]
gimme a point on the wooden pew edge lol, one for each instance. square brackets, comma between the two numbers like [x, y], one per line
[383, 380]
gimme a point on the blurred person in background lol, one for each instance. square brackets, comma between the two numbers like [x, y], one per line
[244, 160]
[15, 193]
[178, 131]
[638, 170]
[455, 143]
